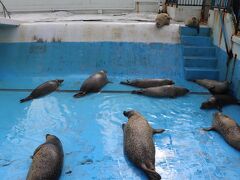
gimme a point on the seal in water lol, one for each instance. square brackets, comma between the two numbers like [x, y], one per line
[218, 101]
[193, 22]
[215, 87]
[138, 143]
[170, 91]
[47, 160]
[162, 19]
[227, 127]
[44, 89]
[146, 83]
[93, 84]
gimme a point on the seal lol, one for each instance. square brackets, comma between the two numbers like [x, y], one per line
[218, 101]
[146, 83]
[215, 87]
[193, 22]
[138, 143]
[93, 84]
[227, 127]
[47, 160]
[162, 19]
[170, 91]
[44, 89]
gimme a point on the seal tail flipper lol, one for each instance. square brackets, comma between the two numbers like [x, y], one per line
[198, 29]
[26, 99]
[151, 173]
[79, 94]
[158, 131]
[123, 82]
[209, 129]
[137, 92]
[123, 125]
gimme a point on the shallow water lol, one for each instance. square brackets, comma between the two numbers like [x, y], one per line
[91, 133]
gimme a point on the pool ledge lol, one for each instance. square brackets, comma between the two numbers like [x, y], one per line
[91, 32]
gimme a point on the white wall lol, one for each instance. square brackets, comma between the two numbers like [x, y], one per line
[47, 5]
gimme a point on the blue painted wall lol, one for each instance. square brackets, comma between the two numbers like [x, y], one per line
[46, 59]
[232, 77]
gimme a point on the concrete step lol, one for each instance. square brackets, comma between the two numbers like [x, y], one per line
[201, 73]
[187, 31]
[196, 40]
[201, 62]
[203, 51]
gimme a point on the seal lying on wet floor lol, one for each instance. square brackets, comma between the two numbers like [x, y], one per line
[218, 101]
[227, 127]
[138, 143]
[47, 160]
[215, 87]
[93, 84]
[170, 91]
[146, 83]
[44, 89]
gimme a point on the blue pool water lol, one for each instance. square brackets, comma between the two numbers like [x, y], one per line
[90, 127]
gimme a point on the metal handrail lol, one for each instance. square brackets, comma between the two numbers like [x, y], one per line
[230, 6]
[5, 11]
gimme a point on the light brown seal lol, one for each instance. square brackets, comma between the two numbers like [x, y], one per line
[193, 22]
[162, 19]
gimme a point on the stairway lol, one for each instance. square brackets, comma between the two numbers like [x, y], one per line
[200, 61]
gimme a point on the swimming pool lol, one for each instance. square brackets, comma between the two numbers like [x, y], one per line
[90, 127]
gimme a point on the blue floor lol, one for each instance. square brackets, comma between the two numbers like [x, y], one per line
[91, 133]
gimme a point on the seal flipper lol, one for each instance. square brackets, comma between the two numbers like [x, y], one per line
[211, 88]
[80, 94]
[151, 173]
[209, 129]
[219, 107]
[26, 99]
[125, 82]
[123, 125]
[137, 92]
[198, 29]
[36, 150]
[158, 131]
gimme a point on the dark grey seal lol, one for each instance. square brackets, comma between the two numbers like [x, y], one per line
[146, 83]
[215, 87]
[93, 84]
[47, 160]
[227, 127]
[44, 89]
[218, 101]
[138, 143]
[170, 91]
